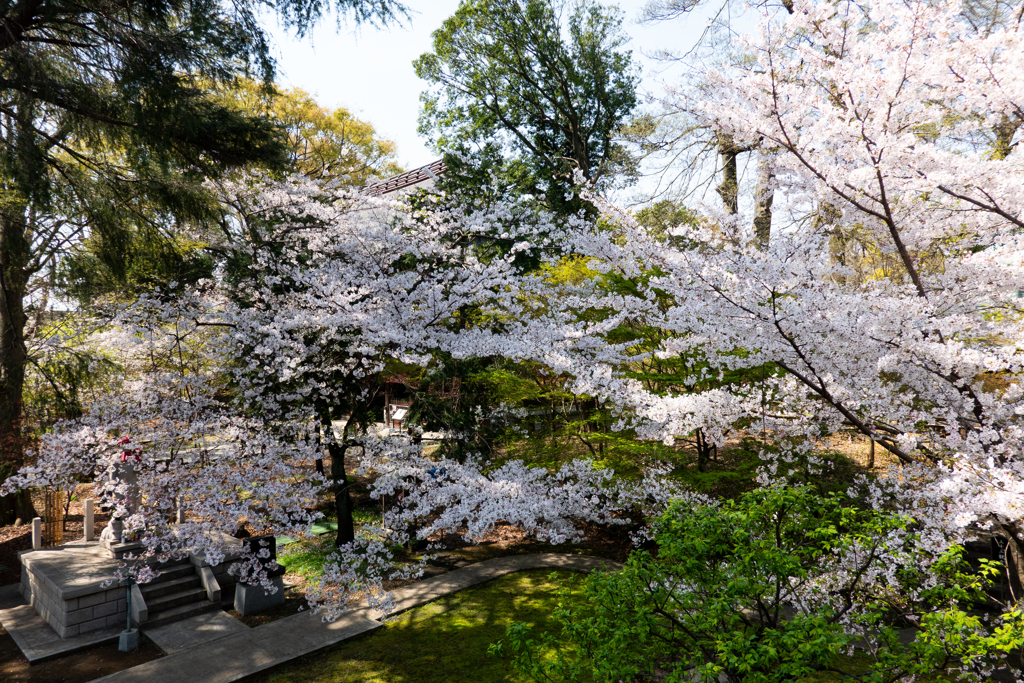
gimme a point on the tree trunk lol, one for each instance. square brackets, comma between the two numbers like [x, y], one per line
[703, 452]
[1004, 132]
[1013, 558]
[14, 257]
[764, 196]
[319, 463]
[339, 479]
[342, 498]
[839, 238]
[728, 190]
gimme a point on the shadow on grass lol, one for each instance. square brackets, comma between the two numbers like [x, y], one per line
[445, 641]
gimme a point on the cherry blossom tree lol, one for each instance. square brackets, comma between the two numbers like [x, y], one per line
[895, 114]
[886, 113]
[221, 387]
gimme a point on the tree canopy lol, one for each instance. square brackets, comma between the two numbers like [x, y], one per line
[332, 145]
[546, 83]
[898, 121]
[107, 121]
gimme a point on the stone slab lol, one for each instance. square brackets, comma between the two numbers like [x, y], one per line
[35, 638]
[197, 630]
[236, 656]
[73, 570]
[232, 551]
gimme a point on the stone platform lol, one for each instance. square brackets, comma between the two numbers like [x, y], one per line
[66, 599]
[65, 585]
[36, 639]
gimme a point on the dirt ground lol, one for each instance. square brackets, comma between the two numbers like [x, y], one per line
[858, 449]
[82, 666]
[14, 539]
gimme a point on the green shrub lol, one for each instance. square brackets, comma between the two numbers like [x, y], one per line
[775, 586]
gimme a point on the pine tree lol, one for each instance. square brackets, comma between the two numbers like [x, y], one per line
[108, 120]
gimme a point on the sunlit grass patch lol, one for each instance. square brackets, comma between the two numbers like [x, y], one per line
[444, 641]
[306, 557]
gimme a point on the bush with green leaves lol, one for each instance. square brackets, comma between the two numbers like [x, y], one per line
[778, 585]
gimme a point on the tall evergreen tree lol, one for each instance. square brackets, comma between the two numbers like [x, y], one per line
[539, 102]
[107, 121]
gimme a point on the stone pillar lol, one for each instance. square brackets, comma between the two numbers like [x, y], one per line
[250, 599]
[90, 520]
[129, 477]
[180, 514]
[37, 533]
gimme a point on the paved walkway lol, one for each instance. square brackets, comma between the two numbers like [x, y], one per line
[243, 653]
[194, 631]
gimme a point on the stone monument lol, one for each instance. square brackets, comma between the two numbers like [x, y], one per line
[254, 598]
[112, 538]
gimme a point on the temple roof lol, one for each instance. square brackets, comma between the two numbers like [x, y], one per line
[416, 176]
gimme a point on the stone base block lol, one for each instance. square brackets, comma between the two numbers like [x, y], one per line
[129, 641]
[65, 586]
[252, 599]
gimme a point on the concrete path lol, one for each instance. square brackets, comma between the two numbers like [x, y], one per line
[194, 631]
[235, 656]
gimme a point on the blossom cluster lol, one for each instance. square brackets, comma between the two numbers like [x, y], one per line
[879, 120]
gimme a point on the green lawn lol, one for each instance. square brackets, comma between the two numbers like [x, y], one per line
[306, 556]
[445, 641]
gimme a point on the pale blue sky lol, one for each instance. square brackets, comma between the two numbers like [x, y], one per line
[370, 72]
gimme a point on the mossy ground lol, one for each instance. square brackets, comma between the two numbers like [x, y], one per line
[444, 641]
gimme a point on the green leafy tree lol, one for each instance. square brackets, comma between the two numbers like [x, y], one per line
[524, 93]
[537, 85]
[665, 216]
[108, 121]
[772, 588]
[333, 146]
[323, 144]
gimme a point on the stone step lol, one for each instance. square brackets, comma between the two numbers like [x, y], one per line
[174, 571]
[158, 588]
[177, 613]
[176, 599]
[119, 550]
[171, 572]
[161, 565]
